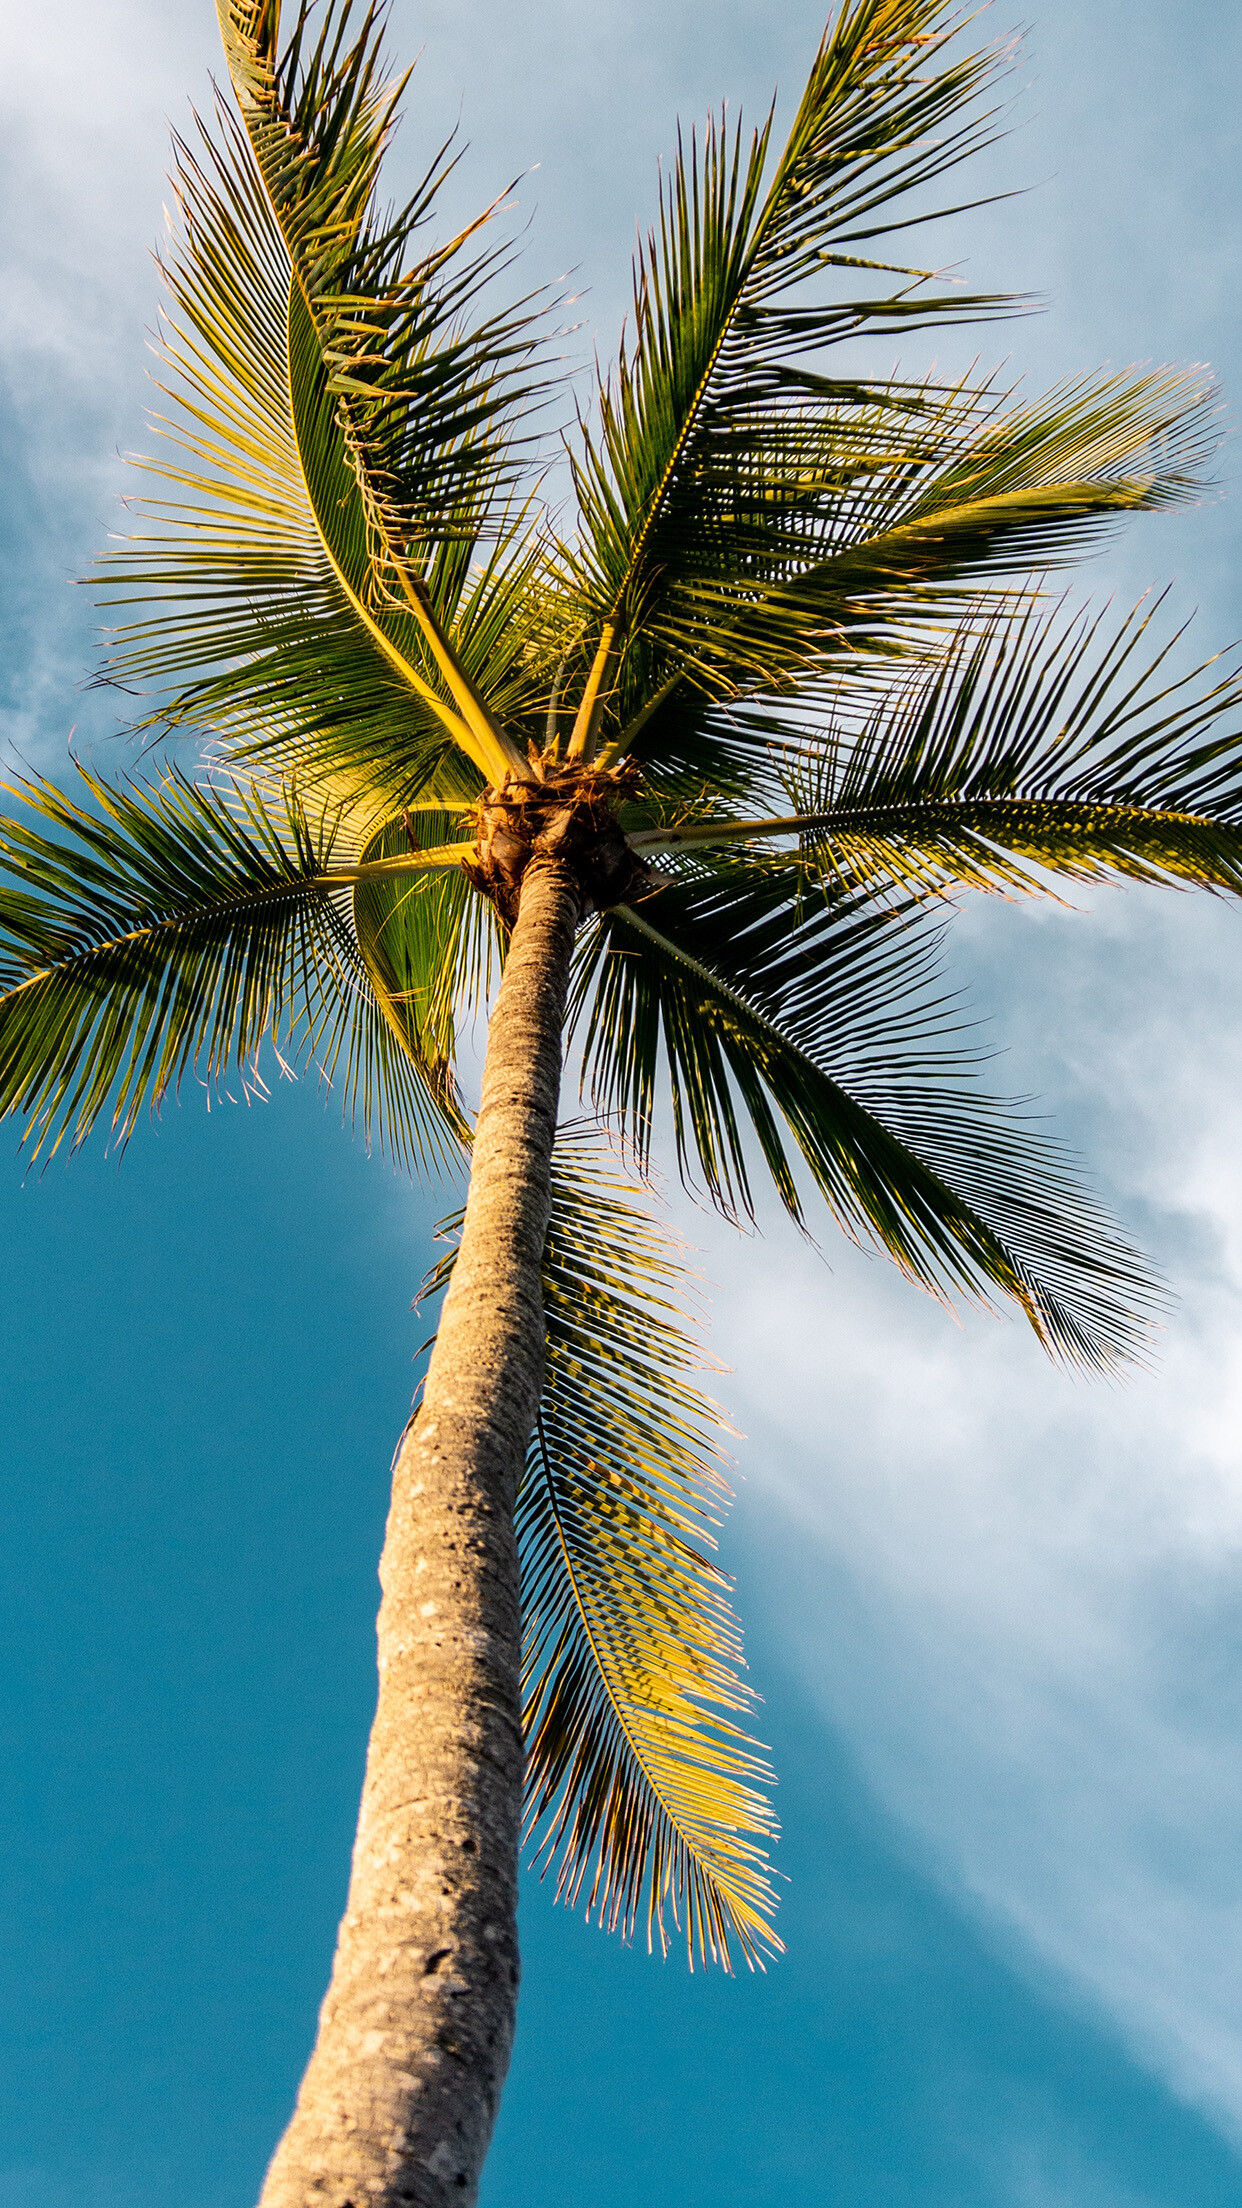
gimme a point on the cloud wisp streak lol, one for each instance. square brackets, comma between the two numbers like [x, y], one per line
[1020, 1596]
[84, 102]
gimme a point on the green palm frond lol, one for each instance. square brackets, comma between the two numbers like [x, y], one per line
[745, 517]
[640, 1785]
[909, 536]
[342, 439]
[1042, 744]
[428, 944]
[436, 395]
[168, 928]
[764, 999]
[1034, 746]
[721, 328]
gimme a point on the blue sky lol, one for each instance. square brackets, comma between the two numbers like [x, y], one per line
[996, 1615]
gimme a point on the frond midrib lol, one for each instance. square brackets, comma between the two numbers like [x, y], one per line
[693, 833]
[172, 923]
[452, 721]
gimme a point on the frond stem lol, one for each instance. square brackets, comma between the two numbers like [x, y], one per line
[707, 833]
[405, 862]
[499, 756]
[594, 698]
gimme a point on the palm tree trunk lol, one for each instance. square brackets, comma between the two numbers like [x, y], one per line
[401, 2093]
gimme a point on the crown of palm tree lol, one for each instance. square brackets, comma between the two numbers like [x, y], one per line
[788, 658]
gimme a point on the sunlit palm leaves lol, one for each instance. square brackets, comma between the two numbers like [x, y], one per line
[431, 402]
[640, 1786]
[345, 446]
[746, 515]
[167, 929]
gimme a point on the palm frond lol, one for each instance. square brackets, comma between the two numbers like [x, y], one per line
[640, 1786]
[792, 581]
[716, 337]
[436, 392]
[303, 588]
[169, 928]
[765, 998]
[1034, 746]
[1041, 746]
[749, 521]
[428, 944]
[434, 395]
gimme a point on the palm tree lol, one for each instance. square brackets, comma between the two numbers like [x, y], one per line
[698, 777]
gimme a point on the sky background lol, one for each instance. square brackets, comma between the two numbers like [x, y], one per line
[995, 1613]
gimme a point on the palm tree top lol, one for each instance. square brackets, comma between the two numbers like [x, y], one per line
[749, 526]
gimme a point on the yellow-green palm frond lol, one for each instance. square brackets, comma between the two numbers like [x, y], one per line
[151, 930]
[747, 519]
[642, 1788]
[436, 392]
[342, 438]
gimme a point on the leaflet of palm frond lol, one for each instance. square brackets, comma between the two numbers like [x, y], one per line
[764, 999]
[166, 928]
[641, 1790]
[428, 944]
[433, 389]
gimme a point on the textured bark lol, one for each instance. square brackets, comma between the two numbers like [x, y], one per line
[565, 814]
[400, 2097]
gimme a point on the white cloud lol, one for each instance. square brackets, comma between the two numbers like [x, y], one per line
[1019, 1595]
[84, 98]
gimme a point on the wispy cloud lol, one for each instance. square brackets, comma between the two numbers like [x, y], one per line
[1020, 1595]
[84, 103]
